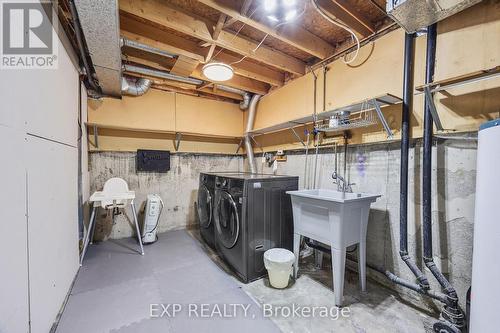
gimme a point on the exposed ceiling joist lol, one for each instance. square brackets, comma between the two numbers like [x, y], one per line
[204, 93]
[174, 44]
[219, 92]
[343, 11]
[184, 66]
[219, 26]
[291, 34]
[162, 81]
[215, 35]
[210, 53]
[244, 68]
[349, 8]
[245, 6]
[237, 81]
[158, 12]
[253, 70]
[243, 11]
[180, 86]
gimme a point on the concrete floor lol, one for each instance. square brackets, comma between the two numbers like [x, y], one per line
[115, 288]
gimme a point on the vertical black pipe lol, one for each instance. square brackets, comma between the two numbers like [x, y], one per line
[430, 59]
[409, 55]
[451, 311]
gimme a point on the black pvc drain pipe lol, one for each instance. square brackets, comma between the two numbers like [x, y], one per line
[451, 311]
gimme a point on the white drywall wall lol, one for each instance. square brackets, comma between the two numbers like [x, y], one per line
[52, 227]
[13, 228]
[38, 222]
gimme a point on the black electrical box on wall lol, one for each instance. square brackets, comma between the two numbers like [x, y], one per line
[153, 160]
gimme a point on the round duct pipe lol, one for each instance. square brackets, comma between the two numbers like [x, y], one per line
[135, 87]
[252, 110]
[160, 74]
[246, 96]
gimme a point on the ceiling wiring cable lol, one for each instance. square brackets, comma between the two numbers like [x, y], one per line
[236, 34]
[340, 25]
[267, 34]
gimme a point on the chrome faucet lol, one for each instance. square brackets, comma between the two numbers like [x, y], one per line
[342, 184]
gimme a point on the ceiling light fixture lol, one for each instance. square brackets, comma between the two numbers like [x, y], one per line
[280, 10]
[270, 5]
[218, 71]
[290, 15]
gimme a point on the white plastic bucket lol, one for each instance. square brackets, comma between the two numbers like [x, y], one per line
[279, 265]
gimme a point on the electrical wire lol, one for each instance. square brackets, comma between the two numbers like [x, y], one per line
[340, 25]
[267, 34]
[236, 34]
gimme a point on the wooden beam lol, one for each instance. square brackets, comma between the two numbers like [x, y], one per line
[218, 26]
[461, 79]
[245, 7]
[293, 35]
[206, 92]
[162, 81]
[184, 66]
[237, 81]
[210, 53]
[161, 40]
[186, 88]
[253, 70]
[338, 12]
[159, 12]
[215, 35]
[245, 68]
[243, 11]
[219, 92]
[205, 85]
[349, 9]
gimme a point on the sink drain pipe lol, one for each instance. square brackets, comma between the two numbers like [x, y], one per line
[452, 315]
[391, 276]
[451, 311]
[409, 59]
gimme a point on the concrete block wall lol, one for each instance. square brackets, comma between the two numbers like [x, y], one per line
[375, 168]
[178, 187]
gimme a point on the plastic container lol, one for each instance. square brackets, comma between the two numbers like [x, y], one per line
[279, 263]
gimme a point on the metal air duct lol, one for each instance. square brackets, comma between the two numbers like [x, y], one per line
[252, 110]
[246, 96]
[135, 87]
[100, 25]
[160, 74]
[414, 15]
[124, 42]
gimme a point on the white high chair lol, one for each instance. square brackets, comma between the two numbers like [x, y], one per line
[115, 194]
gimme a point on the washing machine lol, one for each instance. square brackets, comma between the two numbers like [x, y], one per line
[205, 205]
[205, 208]
[252, 214]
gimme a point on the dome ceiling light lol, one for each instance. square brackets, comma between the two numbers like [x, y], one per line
[280, 10]
[218, 71]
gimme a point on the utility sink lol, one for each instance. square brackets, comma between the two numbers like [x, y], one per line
[332, 195]
[336, 219]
